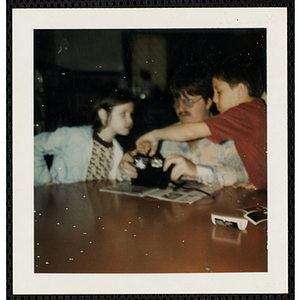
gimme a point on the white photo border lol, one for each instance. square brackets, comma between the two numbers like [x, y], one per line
[25, 281]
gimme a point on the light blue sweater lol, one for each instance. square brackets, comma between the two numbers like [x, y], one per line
[71, 148]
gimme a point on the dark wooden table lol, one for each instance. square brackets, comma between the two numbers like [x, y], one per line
[79, 229]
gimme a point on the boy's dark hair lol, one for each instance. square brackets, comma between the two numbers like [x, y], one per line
[107, 100]
[192, 80]
[237, 70]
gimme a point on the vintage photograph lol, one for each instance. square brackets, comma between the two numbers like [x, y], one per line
[148, 147]
[142, 80]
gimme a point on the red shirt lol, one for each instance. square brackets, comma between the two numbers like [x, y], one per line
[245, 124]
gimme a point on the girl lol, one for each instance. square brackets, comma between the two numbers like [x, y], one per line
[86, 152]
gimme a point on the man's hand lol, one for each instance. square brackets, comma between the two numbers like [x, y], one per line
[182, 166]
[126, 167]
[147, 142]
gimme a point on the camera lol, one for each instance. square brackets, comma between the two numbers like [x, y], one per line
[150, 171]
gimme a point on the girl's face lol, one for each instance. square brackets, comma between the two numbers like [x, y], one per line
[120, 119]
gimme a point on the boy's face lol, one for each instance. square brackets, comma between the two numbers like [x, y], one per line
[120, 119]
[225, 97]
[198, 111]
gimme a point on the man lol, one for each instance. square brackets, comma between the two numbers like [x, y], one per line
[198, 159]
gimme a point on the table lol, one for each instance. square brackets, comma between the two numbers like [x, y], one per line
[79, 229]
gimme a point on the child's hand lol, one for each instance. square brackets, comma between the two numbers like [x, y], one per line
[182, 166]
[146, 143]
[126, 167]
[248, 186]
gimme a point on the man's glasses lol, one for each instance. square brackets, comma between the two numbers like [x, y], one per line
[186, 102]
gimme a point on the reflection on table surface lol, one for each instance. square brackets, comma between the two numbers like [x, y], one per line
[79, 229]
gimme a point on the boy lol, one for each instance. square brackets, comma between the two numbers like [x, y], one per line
[237, 91]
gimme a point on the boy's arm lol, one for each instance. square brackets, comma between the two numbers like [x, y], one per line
[177, 133]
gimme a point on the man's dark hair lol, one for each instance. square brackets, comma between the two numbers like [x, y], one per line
[192, 80]
[239, 69]
[107, 100]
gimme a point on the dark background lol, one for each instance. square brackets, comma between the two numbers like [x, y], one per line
[72, 66]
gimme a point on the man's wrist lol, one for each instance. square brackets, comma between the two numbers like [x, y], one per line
[205, 174]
